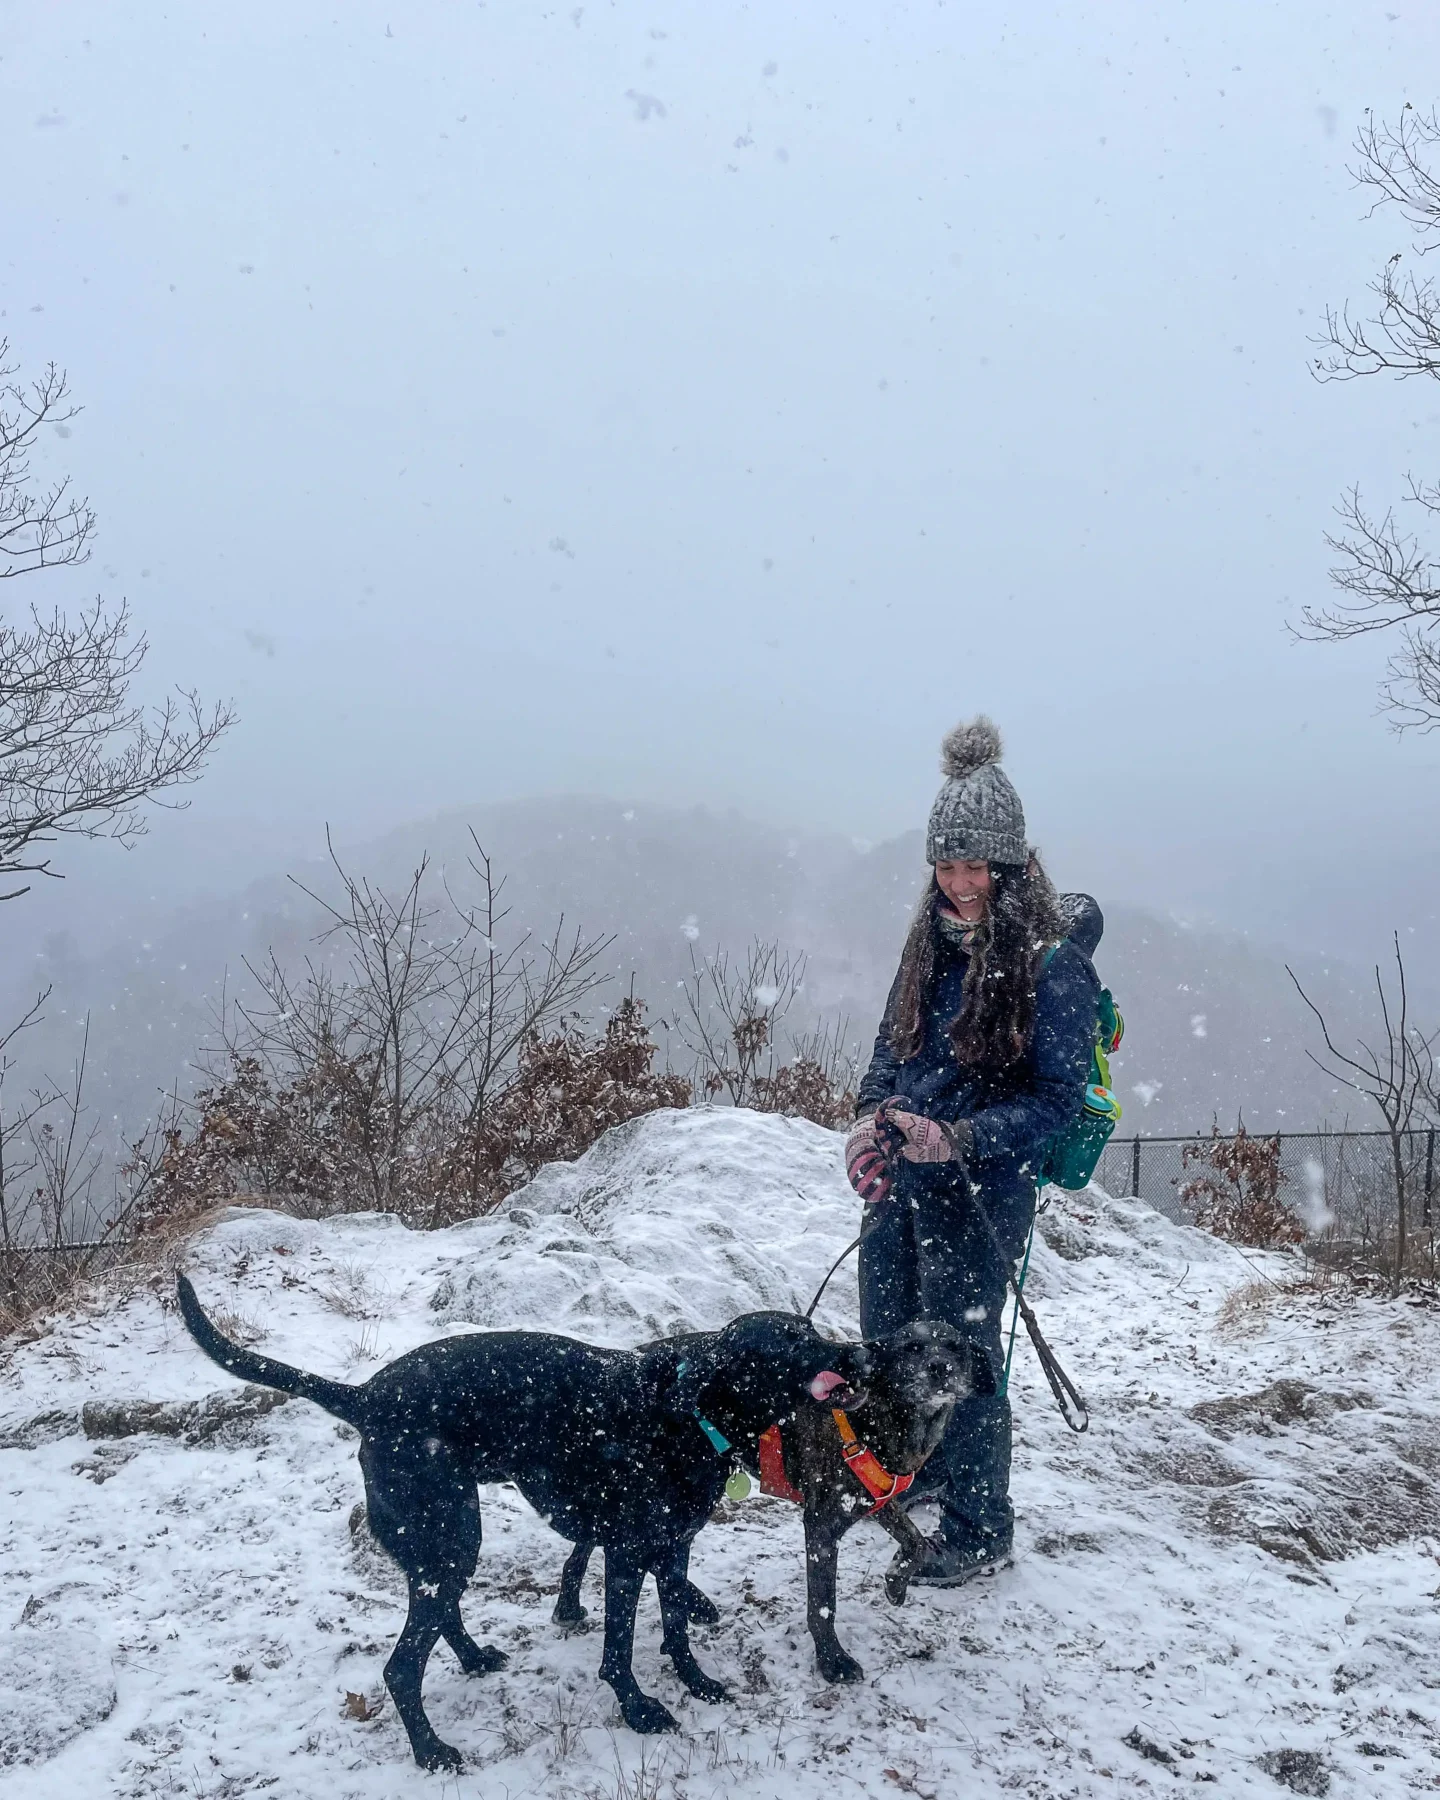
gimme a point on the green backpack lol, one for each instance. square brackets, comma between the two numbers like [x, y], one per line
[1073, 1155]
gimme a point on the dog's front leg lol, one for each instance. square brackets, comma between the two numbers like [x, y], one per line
[624, 1577]
[823, 1531]
[700, 1609]
[569, 1614]
[913, 1545]
[672, 1579]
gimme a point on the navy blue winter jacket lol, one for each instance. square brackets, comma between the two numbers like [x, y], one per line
[1015, 1112]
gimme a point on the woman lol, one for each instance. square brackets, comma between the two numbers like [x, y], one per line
[983, 1056]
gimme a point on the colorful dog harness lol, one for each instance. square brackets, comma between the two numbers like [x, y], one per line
[862, 1462]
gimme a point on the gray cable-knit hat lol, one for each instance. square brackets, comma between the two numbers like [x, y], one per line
[977, 815]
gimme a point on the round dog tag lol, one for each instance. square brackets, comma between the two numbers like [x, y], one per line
[738, 1486]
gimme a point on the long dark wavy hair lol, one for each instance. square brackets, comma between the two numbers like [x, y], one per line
[997, 1012]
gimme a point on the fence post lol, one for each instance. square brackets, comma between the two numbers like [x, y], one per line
[1135, 1166]
[1425, 1218]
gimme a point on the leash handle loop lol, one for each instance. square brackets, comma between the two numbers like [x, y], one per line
[1068, 1397]
[1015, 1316]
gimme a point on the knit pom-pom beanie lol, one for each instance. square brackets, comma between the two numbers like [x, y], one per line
[977, 815]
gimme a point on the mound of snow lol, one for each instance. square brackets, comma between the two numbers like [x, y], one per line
[673, 1222]
[1220, 1581]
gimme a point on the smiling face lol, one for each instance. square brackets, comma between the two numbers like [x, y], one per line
[966, 888]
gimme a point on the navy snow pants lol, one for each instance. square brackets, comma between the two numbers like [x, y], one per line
[928, 1256]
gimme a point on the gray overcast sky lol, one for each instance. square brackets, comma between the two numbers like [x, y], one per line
[712, 402]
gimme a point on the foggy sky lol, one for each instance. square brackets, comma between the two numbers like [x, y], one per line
[707, 403]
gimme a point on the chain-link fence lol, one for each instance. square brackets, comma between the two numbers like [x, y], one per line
[1342, 1184]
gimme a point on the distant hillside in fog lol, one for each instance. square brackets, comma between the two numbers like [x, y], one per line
[1214, 1025]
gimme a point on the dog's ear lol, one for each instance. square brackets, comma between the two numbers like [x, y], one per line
[950, 1337]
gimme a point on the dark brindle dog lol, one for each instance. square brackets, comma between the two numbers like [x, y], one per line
[612, 1447]
[842, 1471]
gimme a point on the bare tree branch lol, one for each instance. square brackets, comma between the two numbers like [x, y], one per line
[78, 756]
[732, 1017]
[1389, 580]
[45, 528]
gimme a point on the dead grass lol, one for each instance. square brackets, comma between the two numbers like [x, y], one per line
[36, 1290]
[240, 1327]
[1245, 1311]
[352, 1293]
[362, 1349]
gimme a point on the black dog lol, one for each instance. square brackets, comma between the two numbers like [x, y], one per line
[915, 1380]
[627, 1449]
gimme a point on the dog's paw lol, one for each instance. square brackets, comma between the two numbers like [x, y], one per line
[700, 1609]
[837, 1666]
[482, 1659]
[705, 1687]
[897, 1585]
[440, 1757]
[648, 1716]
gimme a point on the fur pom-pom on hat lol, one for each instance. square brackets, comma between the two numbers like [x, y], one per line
[977, 815]
[969, 747]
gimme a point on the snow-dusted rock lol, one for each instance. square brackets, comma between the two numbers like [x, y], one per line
[54, 1684]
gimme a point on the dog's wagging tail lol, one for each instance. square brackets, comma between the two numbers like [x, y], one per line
[337, 1397]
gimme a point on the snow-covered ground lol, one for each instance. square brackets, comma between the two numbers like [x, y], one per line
[1231, 1567]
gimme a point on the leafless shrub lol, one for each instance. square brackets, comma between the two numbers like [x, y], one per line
[422, 1068]
[368, 1079]
[731, 1023]
[1237, 1197]
[1400, 1079]
[731, 1018]
[61, 1223]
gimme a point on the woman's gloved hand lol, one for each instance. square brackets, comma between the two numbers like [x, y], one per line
[865, 1163]
[927, 1140]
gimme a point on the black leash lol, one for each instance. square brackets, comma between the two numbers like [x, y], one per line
[1068, 1397]
[865, 1231]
